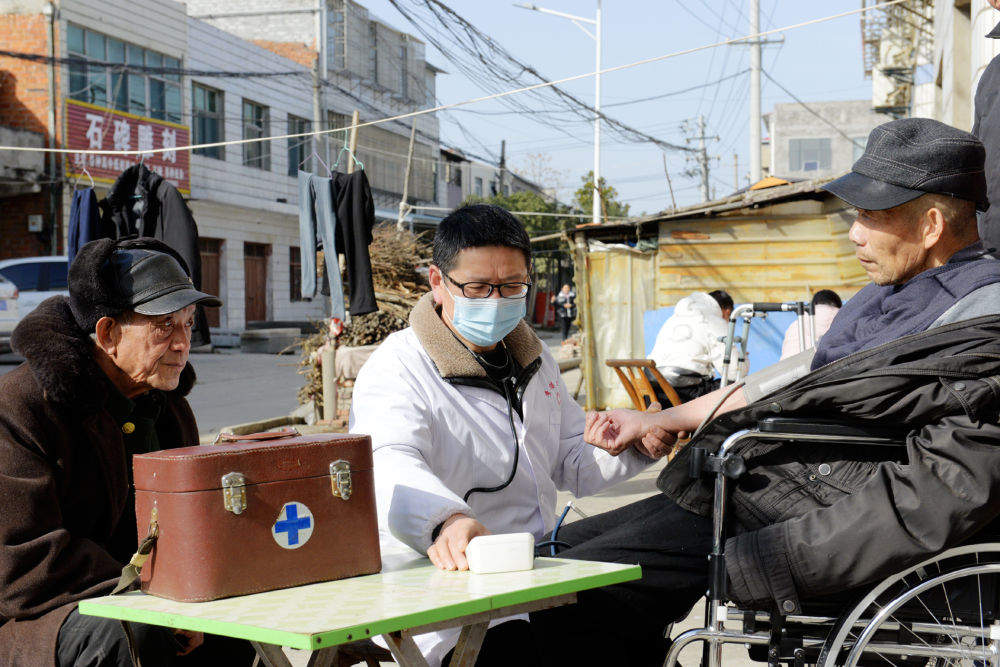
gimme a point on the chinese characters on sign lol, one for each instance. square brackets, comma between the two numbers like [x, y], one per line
[93, 128]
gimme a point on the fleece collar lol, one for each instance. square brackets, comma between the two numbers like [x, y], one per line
[454, 360]
[61, 357]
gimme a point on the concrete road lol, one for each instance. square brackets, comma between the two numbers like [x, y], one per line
[233, 388]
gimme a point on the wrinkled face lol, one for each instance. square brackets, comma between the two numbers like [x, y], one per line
[153, 349]
[889, 244]
[488, 264]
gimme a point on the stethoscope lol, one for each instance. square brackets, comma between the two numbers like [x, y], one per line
[508, 382]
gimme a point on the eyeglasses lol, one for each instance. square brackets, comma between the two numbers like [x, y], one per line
[478, 290]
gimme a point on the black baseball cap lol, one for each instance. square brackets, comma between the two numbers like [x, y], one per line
[154, 283]
[910, 157]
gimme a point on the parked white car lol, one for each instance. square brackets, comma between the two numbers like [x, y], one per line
[36, 278]
[8, 312]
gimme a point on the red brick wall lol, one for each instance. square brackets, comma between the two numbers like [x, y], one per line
[17, 241]
[24, 104]
[24, 85]
[303, 54]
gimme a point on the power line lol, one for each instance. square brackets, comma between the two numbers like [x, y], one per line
[677, 92]
[812, 111]
[474, 100]
[144, 69]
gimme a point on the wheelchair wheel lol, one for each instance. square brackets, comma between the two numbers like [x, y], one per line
[943, 611]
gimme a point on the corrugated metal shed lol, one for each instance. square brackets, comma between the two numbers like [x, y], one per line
[777, 244]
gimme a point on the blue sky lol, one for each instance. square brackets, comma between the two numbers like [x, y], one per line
[817, 63]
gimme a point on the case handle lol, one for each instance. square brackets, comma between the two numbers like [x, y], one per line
[256, 437]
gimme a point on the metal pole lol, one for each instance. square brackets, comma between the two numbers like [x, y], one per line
[755, 167]
[597, 123]
[403, 206]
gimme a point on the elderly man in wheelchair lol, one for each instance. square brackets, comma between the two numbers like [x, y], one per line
[875, 455]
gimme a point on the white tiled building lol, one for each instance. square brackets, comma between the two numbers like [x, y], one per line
[245, 197]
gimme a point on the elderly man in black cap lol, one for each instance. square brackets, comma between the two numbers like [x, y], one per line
[105, 377]
[811, 524]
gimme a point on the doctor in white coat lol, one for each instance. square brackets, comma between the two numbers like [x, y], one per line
[472, 427]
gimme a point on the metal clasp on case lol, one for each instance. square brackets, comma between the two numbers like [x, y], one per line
[234, 494]
[340, 479]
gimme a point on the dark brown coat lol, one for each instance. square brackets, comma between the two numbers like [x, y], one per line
[63, 481]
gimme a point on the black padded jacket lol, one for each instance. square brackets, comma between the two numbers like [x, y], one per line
[815, 520]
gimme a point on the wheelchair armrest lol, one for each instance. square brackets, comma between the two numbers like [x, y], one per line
[832, 427]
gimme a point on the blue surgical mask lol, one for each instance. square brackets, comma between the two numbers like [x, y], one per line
[485, 322]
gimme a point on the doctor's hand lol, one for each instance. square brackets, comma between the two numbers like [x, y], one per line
[448, 550]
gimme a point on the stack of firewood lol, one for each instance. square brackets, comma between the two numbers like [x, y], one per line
[397, 257]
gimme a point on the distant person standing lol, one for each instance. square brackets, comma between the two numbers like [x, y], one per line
[987, 129]
[825, 303]
[565, 302]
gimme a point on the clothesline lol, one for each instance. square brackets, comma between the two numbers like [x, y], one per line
[474, 100]
[538, 213]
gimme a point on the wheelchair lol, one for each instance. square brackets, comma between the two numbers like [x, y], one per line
[943, 611]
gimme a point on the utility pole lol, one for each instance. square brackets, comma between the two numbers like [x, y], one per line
[319, 76]
[736, 171]
[670, 186]
[755, 45]
[701, 158]
[503, 165]
[598, 199]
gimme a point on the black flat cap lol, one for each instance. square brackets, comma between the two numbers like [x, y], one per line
[109, 277]
[153, 283]
[910, 157]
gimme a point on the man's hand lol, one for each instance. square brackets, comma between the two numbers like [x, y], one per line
[189, 640]
[652, 433]
[448, 550]
[615, 431]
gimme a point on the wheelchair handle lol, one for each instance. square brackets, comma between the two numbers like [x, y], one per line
[770, 307]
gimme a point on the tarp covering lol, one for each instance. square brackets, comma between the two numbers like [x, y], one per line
[622, 289]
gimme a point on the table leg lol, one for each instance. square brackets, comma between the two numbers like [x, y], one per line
[404, 650]
[470, 642]
[273, 656]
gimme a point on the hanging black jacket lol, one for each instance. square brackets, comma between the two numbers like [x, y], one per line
[143, 202]
[819, 519]
[355, 209]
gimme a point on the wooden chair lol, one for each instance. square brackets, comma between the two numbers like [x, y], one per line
[638, 386]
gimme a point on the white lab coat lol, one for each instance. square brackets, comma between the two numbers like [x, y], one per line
[689, 339]
[434, 440]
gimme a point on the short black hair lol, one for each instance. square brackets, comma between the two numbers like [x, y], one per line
[477, 226]
[722, 298]
[827, 297]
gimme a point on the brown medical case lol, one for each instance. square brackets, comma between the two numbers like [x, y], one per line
[251, 516]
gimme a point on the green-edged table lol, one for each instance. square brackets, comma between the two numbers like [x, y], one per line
[407, 598]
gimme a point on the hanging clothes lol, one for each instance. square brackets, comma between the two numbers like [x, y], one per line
[355, 214]
[143, 202]
[84, 221]
[318, 231]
